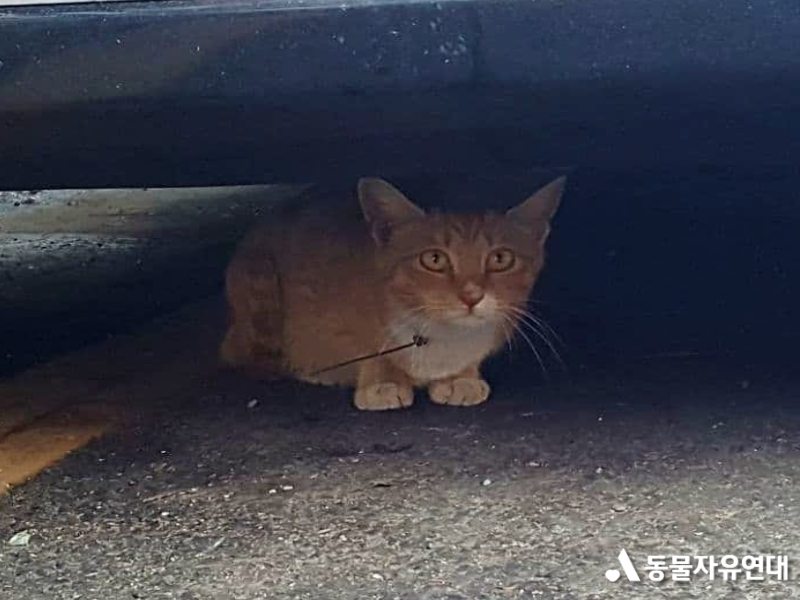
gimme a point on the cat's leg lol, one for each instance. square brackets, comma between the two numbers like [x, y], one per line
[382, 386]
[467, 388]
[253, 350]
[254, 340]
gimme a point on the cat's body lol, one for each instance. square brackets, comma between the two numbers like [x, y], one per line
[327, 286]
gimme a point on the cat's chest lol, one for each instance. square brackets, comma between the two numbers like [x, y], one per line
[450, 349]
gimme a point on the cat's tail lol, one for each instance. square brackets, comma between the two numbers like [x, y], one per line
[254, 339]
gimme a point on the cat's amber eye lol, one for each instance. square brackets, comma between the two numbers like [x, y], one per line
[500, 260]
[434, 260]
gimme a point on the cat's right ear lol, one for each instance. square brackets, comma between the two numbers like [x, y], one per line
[538, 210]
[385, 207]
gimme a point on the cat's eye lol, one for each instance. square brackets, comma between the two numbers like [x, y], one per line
[500, 260]
[434, 260]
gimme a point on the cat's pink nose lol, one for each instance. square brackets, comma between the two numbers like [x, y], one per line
[471, 295]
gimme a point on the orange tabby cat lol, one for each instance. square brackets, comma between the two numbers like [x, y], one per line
[328, 287]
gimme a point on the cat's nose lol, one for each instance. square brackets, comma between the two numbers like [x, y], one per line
[471, 294]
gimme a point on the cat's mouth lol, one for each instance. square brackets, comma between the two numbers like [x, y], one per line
[462, 316]
[470, 317]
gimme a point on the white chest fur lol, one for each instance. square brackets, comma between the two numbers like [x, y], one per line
[451, 347]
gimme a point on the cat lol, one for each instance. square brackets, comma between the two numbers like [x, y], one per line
[332, 285]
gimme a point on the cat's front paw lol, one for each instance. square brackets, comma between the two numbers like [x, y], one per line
[383, 396]
[461, 391]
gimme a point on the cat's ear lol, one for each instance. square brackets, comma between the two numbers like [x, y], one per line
[539, 209]
[384, 207]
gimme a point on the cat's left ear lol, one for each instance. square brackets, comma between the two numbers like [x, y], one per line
[539, 209]
[385, 207]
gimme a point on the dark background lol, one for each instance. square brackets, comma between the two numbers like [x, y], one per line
[644, 265]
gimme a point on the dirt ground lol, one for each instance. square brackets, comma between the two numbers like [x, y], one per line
[196, 484]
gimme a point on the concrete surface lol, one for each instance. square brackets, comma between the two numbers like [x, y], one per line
[220, 488]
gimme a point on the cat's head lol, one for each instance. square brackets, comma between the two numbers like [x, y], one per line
[465, 269]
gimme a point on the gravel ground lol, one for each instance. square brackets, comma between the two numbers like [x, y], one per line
[239, 490]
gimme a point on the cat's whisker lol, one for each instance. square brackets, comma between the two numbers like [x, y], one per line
[541, 329]
[535, 351]
[535, 328]
[545, 326]
[542, 302]
[507, 335]
[531, 345]
[543, 337]
[515, 313]
[538, 331]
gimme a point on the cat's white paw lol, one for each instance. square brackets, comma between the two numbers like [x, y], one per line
[462, 391]
[383, 396]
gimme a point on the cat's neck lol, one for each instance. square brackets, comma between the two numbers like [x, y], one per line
[452, 346]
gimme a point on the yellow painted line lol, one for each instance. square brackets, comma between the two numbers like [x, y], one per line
[54, 409]
[27, 451]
